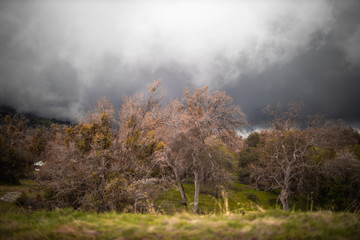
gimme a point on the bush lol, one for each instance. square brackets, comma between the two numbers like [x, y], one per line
[246, 157]
[253, 140]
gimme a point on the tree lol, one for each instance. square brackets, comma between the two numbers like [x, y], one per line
[13, 130]
[284, 154]
[79, 170]
[100, 163]
[106, 161]
[246, 157]
[334, 183]
[177, 147]
[340, 185]
[141, 118]
[13, 165]
[15, 157]
[253, 140]
[201, 116]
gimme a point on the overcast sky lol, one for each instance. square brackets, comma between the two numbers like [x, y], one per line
[57, 58]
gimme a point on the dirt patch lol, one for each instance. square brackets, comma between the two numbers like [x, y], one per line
[66, 230]
[89, 232]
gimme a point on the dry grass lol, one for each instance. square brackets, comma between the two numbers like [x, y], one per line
[69, 224]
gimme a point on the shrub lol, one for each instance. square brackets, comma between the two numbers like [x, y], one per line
[253, 139]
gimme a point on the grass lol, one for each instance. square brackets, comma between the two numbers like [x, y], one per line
[248, 219]
[29, 187]
[238, 199]
[170, 202]
[271, 224]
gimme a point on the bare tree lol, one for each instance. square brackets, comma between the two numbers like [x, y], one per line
[201, 116]
[282, 162]
[283, 157]
[177, 147]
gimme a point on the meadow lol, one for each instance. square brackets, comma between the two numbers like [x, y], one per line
[244, 219]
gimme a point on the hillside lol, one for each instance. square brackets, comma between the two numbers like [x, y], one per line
[33, 120]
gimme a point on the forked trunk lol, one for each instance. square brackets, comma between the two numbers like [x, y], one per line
[197, 191]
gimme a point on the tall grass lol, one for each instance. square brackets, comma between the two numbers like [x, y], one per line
[267, 224]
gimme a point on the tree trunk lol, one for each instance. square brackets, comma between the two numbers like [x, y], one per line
[284, 200]
[285, 188]
[197, 191]
[181, 188]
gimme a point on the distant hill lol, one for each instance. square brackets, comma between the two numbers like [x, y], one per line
[33, 120]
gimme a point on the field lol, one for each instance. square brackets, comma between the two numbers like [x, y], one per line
[245, 220]
[69, 224]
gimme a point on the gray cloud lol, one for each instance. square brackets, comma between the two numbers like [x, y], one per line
[57, 58]
[319, 77]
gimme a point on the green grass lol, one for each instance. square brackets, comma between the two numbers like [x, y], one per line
[247, 220]
[272, 224]
[170, 202]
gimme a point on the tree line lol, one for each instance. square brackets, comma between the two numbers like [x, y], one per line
[319, 162]
[123, 159]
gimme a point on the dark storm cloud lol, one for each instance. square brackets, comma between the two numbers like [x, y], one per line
[325, 75]
[112, 71]
[57, 58]
[321, 78]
